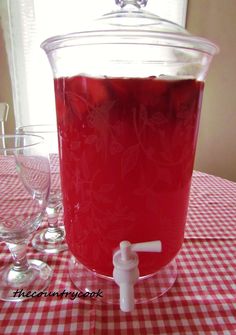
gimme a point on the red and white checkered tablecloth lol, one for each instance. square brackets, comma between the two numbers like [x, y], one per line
[212, 208]
[202, 300]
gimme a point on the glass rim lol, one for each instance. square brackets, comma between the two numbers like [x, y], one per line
[14, 147]
[38, 131]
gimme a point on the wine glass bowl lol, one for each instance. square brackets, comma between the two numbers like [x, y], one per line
[24, 189]
[51, 239]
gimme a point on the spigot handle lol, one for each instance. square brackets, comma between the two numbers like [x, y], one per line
[153, 246]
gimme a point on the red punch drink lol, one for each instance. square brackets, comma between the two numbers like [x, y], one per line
[127, 148]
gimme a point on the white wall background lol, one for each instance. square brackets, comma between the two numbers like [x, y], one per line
[216, 152]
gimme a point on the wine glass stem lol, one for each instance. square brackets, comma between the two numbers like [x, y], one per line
[53, 220]
[53, 223]
[18, 252]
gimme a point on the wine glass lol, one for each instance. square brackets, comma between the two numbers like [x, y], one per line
[24, 189]
[50, 240]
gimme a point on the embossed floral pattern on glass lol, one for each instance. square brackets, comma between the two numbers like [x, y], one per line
[127, 150]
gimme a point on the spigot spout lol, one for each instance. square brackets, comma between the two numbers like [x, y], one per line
[126, 297]
[126, 274]
[126, 271]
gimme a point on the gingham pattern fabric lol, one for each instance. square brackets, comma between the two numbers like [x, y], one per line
[202, 300]
[212, 208]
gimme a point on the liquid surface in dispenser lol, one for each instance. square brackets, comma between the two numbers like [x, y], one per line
[127, 148]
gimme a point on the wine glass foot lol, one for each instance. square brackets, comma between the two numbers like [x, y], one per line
[50, 240]
[21, 285]
[146, 289]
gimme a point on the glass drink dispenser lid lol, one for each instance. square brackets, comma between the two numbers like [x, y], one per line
[130, 37]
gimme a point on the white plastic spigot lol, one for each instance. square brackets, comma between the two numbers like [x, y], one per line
[126, 271]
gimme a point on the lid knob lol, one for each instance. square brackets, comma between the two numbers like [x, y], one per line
[137, 3]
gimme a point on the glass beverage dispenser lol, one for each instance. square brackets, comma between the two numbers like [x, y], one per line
[128, 99]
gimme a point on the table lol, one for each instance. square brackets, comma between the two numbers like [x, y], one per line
[202, 300]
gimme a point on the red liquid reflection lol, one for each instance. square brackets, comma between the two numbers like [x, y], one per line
[127, 150]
